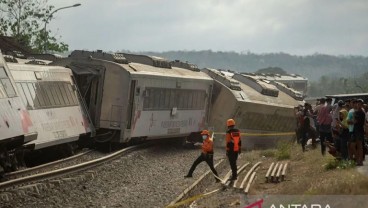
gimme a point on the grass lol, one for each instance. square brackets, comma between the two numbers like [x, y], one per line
[283, 150]
[311, 173]
[339, 164]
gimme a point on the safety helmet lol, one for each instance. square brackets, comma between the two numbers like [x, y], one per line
[230, 122]
[205, 132]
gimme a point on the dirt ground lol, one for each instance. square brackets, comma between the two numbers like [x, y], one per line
[306, 175]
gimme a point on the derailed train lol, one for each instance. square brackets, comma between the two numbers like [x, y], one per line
[40, 108]
[125, 97]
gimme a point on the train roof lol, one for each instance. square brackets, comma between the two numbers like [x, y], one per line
[348, 95]
[249, 93]
[277, 77]
[142, 65]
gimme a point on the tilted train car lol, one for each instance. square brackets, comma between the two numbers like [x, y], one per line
[258, 107]
[16, 126]
[51, 98]
[137, 97]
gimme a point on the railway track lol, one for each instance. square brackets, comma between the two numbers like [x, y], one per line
[33, 175]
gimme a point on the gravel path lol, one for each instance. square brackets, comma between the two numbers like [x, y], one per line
[151, 177]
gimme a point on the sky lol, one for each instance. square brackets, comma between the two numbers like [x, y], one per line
[297, 27]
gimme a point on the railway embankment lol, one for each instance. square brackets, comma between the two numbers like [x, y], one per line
[307, 173]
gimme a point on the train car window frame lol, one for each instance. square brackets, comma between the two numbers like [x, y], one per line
[74, 97]
[27, 94]
[47, 90]
[54, 94]
[22, 94]
[36, 102]
[64, 94]
[2, 92]
[59, 94]
[3, 73]
[8, 86]
[168, 98]
[40, 95]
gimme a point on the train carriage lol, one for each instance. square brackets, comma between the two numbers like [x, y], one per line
[137, 97]
[259, 108]
[52, 101]
[16, 126]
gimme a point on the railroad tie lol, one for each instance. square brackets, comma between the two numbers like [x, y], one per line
[284, 172]
[273, 174]
[246, 190]
[278, 173]
[248, 174]
[269, 171]
[240, 170]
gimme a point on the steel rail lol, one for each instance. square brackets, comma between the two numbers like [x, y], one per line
[64, 171]
[24, 171]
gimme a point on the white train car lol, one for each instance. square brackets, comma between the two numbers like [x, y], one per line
[262, 111]
[51, 98]
[16, 126]
[137, 97]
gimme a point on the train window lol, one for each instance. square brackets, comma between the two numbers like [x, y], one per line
[2, 92]
[68, 93]
[40, 95]
[194, 99]
[54, 95]
[72, 94]
[46, 88]
[162, 98]
[173, 99]
[3, 73]
[167, 99]
[190, 100]
[43, 93]
[33, 95]
[22, 95]
[156, 95]
[58, 94]
[64, 94]
[28, 95]
[8, 87]
[183, 99]
[146, 99]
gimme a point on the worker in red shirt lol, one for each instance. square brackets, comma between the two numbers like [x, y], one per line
[206, 155]
[233, 146]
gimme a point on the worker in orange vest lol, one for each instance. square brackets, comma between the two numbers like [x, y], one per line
[233, 146]
[206, 155]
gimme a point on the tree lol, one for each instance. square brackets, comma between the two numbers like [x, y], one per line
[24, 20]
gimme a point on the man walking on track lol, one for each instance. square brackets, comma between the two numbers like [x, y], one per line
[233, 146]
[206, 155]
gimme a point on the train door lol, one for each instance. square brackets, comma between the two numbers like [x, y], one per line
[89, 79]
[131, 103]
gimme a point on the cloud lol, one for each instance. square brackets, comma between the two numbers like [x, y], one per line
[292, 26]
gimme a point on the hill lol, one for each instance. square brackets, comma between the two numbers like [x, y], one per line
[312, 66]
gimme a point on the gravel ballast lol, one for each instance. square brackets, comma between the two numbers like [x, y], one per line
[150, 177]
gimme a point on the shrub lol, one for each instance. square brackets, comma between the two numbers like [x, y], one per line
[283, 150]
[339, 164]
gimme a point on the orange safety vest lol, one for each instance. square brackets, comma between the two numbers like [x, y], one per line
[233, 137]
[207, 146]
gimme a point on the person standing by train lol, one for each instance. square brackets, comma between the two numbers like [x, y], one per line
[206, 155]
[233, 146]
[325, 119]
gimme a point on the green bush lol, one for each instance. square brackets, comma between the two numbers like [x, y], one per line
[283, 150]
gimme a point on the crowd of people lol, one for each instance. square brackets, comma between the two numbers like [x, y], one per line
[342, 127]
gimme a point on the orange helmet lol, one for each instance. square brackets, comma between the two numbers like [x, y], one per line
[230, 122]
[205, 132]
